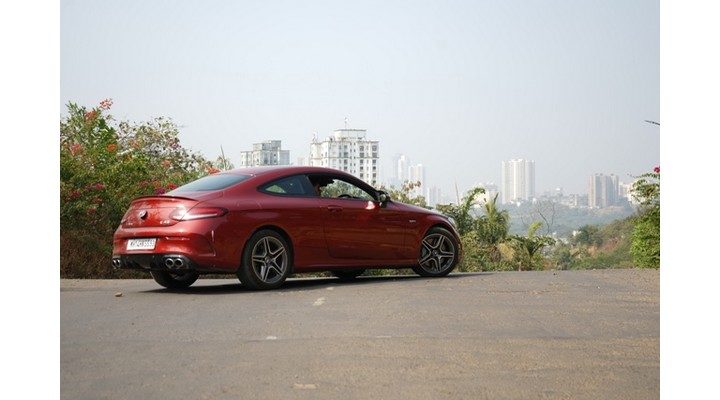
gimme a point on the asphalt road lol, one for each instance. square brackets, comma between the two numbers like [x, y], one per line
[510, 335]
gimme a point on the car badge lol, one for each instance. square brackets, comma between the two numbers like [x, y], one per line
[143, 214]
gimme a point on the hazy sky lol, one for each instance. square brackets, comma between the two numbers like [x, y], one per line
[456, 85]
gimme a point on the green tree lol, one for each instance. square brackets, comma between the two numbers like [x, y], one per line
[407, 194]
[492, 228]
[462, 213]
[588, 235]
[103, 166]
[527, 249]
[645, 241]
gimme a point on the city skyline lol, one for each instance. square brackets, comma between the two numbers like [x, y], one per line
[517, 183]
[460, 87]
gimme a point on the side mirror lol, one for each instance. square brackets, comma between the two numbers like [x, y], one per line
[383, 197]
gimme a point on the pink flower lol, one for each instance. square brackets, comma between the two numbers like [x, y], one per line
[90, 115]
[171, 186]
[159, 191]
[75, 149]
[106, 104]
[657, 169]
[98, 186]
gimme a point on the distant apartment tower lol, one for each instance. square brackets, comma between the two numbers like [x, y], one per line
[434, 196]
[348, 150]
[265, 153]
[401, 168]
[602, 191]
[416, 173]
[518, 180]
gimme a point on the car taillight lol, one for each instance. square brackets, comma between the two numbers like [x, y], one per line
[182, 214]
[125, 217]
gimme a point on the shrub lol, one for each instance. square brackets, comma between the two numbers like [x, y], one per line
[645, 247]
[103, 166]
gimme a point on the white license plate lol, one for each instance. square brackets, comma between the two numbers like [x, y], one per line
[141, 244]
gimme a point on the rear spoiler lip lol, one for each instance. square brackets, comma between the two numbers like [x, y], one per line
[162, 196]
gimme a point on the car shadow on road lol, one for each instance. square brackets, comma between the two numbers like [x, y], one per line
[296, 284]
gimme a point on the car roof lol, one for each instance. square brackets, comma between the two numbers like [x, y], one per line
[284, 169]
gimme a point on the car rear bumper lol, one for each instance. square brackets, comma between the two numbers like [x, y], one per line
[191, 243]
[159, 262]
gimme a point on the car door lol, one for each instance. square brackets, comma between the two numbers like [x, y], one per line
[356, 226]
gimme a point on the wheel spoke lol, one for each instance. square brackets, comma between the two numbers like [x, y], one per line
[266, 244]
[440, 242]
[277, 253]
[427, 246]
[263, 271]
[275, 267]
[436, 261]
[427, 257]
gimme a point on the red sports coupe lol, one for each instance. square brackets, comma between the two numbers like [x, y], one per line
[268, 222]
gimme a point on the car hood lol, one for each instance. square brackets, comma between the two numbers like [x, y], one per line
[414, 208]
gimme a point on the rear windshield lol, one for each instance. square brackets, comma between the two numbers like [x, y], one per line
[211, 182]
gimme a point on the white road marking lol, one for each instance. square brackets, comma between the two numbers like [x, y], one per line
[319, 302]
[271, 338]
[310, 386]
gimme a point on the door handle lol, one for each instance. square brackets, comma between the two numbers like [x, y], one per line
[334, 208]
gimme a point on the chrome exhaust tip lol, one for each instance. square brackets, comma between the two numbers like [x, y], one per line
[169, 262]
[116, 263]
[179, 263]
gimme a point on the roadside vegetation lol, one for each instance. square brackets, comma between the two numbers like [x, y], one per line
[105, 163]
[630, 242]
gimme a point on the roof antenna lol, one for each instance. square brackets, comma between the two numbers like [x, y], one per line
[346, 122]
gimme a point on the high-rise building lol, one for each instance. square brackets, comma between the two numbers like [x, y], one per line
[416, 173]
[602, 191]
[518, 180]
[265, 153]
[434, 196]
[401, 169]
[348, 150]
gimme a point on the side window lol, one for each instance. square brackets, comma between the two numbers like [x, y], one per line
[338, 188]
[296, 185]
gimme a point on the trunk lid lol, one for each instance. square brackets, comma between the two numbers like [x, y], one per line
[157, 211]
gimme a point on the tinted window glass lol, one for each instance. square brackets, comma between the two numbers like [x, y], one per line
[293, 185]
[211, 182]
[337, 188]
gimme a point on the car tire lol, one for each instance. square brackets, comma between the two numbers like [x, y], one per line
[347, 275]
[439, 253]
[266, 261]
[172, 281]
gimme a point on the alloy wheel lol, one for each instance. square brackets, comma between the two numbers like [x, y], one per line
[269, 260]
[438, 253]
